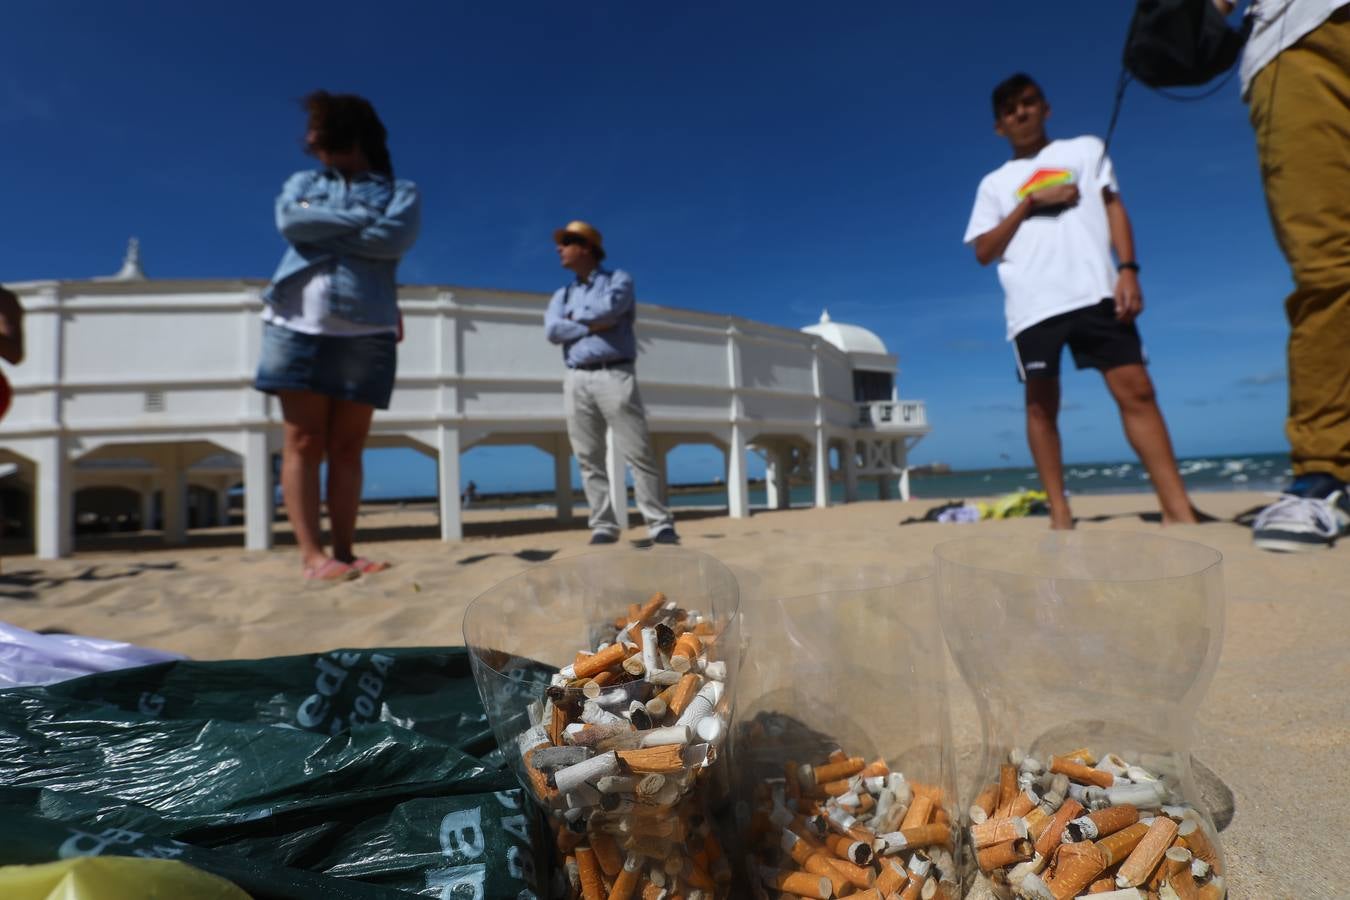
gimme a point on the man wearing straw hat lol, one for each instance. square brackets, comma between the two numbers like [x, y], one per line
[592, 318]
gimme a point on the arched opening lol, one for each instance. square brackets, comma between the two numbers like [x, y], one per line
[107, 509]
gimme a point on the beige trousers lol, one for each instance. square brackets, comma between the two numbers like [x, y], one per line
[609, 398]
[1300, 110]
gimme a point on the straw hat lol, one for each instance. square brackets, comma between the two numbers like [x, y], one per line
[586, 232]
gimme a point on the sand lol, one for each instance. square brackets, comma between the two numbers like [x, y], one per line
[1272, 728]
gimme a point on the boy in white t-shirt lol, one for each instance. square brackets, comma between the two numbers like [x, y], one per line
[1050, 217]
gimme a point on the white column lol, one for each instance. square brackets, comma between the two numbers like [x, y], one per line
[55, 507]
[738, 488]
[174, 481]
[447, 468]
[822, 469]
[618, 488]
[904, 483]
[773, 467]
[902, 458]
[147, 504]
[848, 457]
[562, 477]
[259, 492]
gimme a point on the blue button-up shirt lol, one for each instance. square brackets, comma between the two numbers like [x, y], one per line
[605, 300]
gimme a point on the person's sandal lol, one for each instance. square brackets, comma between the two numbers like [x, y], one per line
[331, 570]
[369, 567]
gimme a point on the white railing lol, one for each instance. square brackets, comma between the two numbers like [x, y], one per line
[893, 415]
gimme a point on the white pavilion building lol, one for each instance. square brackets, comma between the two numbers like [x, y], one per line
[146, 384]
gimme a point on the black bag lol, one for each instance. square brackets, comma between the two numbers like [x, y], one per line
[1177, 43]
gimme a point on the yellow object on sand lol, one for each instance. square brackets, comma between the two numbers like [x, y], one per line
[1012, 506]
[114, 878]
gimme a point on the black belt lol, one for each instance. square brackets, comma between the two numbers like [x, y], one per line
[611, 364]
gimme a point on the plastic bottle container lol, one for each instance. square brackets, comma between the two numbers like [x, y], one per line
[846, 660]
[1104, 641]
[526, 630]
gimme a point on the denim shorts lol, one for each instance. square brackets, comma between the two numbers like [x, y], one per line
[360, 369]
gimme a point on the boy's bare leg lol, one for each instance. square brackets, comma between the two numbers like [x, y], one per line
[1147, 432]
[1043, 437]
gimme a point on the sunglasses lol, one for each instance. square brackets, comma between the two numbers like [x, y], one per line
[574, 240]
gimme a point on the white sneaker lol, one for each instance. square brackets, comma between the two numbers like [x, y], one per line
[1292, 523]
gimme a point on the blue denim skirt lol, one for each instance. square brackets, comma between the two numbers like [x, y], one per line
[360, 369]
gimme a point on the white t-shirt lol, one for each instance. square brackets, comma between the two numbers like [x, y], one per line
[1055, 262]
[1280, 24]
[309, 310]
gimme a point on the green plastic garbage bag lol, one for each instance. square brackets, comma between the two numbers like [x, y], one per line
[374, 766]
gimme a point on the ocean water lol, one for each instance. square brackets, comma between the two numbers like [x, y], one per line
[1251, 472]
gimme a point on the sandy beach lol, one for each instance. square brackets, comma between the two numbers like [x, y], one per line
[1271, 730]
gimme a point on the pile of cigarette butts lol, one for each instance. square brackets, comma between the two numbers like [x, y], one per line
[619, 751]
[847, 828]
[1088, 827]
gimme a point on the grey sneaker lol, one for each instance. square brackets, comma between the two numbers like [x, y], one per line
[600, 536]
[1301, 520]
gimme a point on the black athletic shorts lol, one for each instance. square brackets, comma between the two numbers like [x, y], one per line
[1098, 341]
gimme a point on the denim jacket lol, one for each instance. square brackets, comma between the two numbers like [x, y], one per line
[361, 229]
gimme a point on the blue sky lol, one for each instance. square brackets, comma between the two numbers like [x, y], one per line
[761, 159]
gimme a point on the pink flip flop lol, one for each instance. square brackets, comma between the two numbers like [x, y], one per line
[332, 570]
[369, 567]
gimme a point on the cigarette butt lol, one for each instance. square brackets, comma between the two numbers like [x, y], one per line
[1177, 862]
[984, 804]
[1101, 823]
[633, 665]
[651, 608]
[858, 876]
[869, 894]
[598, 662]
[1141, 862]
[997, 831]
[1007, 789]
[833, 771]
[804, 884]
[849, 849]
[836, 788]
[1076, 866]
[876, 767]
[557, 722]
[626, 884]
[892, 878]
[1037, 821]
[1080, 773]
[544, 791]
[663, 760]
[653, 891]
[919, 812]
[686, 650]
[656, 708]
[607, 853]
[914, 890]
[568, 840]
[1197, 839]
[934, 834]
[1051, 836]
[588, 869]
[1007, 853]
[818, 863]
[684, 691]
[1116, 847]
[1023, 803]
[1082, 755]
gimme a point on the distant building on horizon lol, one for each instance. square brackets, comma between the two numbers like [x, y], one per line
[137, 395]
